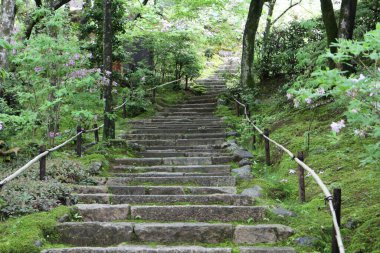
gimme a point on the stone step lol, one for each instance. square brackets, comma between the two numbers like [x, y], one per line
[141, 249]
[173, 161]
[168, 174]
[175, 180]
[186, 109]
[177, 131]
[180, 113]
[104, 212]
[179, 142]
[187, 148]
[194, 105]
[216, 199]
[198, 213]
[201, 100]
[173, 136]
[267, 250]
[153, 190]
[113, 233]
[177, 126]
[169, 168]
[154, 154]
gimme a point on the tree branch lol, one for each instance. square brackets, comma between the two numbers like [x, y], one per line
[287, 9]
[144, 3]
[31, 25]
[38, 3]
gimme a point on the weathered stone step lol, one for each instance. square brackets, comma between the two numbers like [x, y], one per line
[175, 180]
[209, 110]
[267, 250]
[180, 113]
[154, 154]
[201, 100]
[141, 249]
[177, 131]
[168, 168]
[216, 199]
[173, 161]
[180, 142]
[169, 174]
[198, 213]
[194, 105]
[173, 136]
[177, 126]
[153, 190]
[187, 148]
[107, 234]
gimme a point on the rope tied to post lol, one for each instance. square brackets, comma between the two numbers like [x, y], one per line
[328, 196]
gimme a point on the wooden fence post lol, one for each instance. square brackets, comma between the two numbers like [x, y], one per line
[254, 137]
[237, 108]
[96, 133]
[124, 107]
[42, 163]
[267, 148]
[337, 202]
[301, 178]
[79, 141]
[154, 96]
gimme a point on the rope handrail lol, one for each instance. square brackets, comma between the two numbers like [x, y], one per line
[45, 153]
[328, 196]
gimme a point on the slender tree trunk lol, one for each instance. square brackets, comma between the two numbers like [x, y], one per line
[347, 19]
[265, 52]
[7, 20]
[329, 21]
[109, 123]
[254, 14]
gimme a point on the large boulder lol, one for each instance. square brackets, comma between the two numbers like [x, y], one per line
[254, 192]
[243, 172]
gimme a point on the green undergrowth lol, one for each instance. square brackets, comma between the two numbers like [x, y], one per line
[336, 159]
[30, 232]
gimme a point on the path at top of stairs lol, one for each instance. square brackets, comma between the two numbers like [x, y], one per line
[179, 194]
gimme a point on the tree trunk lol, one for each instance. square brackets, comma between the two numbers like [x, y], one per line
[347, 19]
[254, 14]
[329, 21]
[109, 123]
[265, 52]
[7, 20]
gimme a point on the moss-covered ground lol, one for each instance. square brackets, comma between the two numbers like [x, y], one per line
[336, 159]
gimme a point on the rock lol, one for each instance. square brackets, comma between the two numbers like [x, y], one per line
[261, 233]
[240, 154]
[283, 212]
[351, 223]
[221, 101]
[232, 133]
[136, 147]
[254, 192]
[64, 218]
[267, 250]
[245, 162]
[38, 243]
[306, 241]
[243, 172]
[94, 168]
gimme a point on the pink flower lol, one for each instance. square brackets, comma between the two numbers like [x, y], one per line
[289, 96]
[1, 126]
[308, 101]
[337, 126]
[354, 110]
[352, 93]
[38, 69]
[76, 57]
[51, 134]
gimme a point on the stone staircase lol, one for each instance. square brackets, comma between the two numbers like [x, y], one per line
[180, 195]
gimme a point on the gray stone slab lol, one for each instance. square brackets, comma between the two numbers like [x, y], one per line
[94, 233]
[141, 249]
[198, 213]
[267, 250]
[201, 181]
[221, 199]
[183, 232]
[102, 212]
[266, 233]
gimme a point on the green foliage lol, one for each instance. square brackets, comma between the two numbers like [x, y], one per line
[359, 95]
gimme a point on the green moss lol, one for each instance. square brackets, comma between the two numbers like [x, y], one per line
[19, 235]
[335, 159]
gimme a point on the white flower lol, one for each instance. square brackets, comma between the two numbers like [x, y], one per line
[1, 126]
[308, 101]
[321, 91]
[289, 96]
[354, 110]
[284, 180]
[361, 78]
[296, 103]
[291, 172]
[359, 133]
